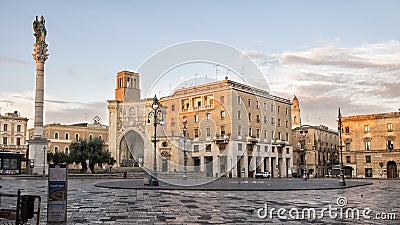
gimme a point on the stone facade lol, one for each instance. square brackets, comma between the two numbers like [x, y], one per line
[13, 132]
[371, 145]
[315, 150]
[236, 130]
[60, 136]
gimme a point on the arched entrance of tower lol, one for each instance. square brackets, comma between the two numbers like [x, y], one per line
[391, 169]
[131, 149]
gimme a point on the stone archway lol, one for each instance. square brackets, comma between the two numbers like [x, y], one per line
[131, 149]
[391, 169]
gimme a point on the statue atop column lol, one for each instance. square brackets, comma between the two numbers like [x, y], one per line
[39, 29]
[40, 46]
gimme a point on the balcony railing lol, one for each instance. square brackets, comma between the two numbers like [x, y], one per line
[251, 140]
[280, 142]
[221, 138]
[197, 108]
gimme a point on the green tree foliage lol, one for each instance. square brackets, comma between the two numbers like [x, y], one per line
[57, 157]
[83, 151]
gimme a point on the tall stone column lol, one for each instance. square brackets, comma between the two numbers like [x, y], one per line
[38, 143]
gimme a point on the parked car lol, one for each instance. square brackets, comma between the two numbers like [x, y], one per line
[263, 175]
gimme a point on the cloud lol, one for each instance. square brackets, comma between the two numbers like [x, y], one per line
[8, 60]
[361, 80]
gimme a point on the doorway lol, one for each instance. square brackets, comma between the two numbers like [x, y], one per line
[391, 169]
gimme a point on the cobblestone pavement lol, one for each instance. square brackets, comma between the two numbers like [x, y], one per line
[88, 204]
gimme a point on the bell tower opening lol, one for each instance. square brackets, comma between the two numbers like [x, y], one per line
[127, 87]
[296, 119]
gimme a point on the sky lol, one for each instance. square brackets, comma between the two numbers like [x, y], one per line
[329, 54]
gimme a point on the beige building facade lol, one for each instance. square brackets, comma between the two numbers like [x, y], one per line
[371, 145]
[13, 132]
[235, 130]
[60, 136]
[315, 148]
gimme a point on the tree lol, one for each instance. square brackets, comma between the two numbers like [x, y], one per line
[89, 153]
[57, 157]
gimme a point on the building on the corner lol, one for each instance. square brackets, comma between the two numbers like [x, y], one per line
[235, 130]
[60, 136]
[13, 135]
[371, 145]
[315, 148]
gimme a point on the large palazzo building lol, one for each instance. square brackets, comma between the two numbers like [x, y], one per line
[371, 145]
[233, 129]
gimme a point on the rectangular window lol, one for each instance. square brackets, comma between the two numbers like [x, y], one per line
[266, 148]
[222, 130]
[172, 107]
[347, 147]
[279, 109]
[250, 132]
[172, 122]
[18, 128]
[222, 114]
[208, 115]
[287, 111]
[239, 99]
[390, 127]
[196, 118]
[208, 132]
[272, 107]
[208, 148]
[239, 115]
[249, 117]
[195, 148]
[222, 99]
[265, 106]
[348, 159]
[273, 149]
[196, 133]
[239, 131]
[257, 104]
[287, 151]
[287, 124]
[367, 145]
[390, 145]
[279, 122]
[265, 120]
[240, 147]
[5, 141]
[5, 127]
[18, 141]
[265, 134]
[347, 130]
[368, 172]
[258, 118]
[258, 133]
[368, 159]
[366, 128]
[249, 102]
[272, 121]
[287, 137]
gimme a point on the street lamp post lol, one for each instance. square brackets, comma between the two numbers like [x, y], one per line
[342, 182]
[156, 113]
[303, 134]
[184, 151]
[44, 161]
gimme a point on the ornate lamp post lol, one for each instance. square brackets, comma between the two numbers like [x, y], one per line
[342, 182]
[157, 119]
[184, 151]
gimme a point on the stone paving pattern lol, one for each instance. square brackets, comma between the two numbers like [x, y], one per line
[88, 204]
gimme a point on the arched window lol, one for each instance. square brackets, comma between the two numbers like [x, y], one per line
[66, 150]
[76, 136]
[66, 136]
[56, 135]
[55, 149]
[90, 137]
